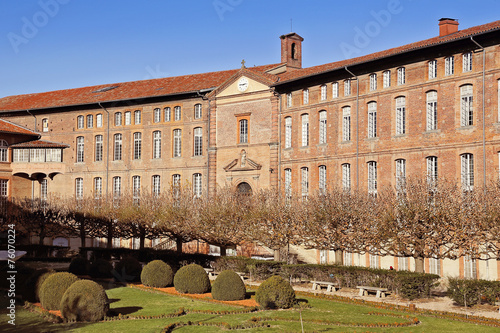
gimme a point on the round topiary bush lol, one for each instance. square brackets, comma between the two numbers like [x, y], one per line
[101, 268]
[79, 266]
[84, 300]
[128, 269]
[157, 274]
[228, 287]
[191, 279]
[53, 288]
[31, 292]
[275, 293]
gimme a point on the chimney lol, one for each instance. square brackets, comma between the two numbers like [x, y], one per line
[447, 26]
[291, 50]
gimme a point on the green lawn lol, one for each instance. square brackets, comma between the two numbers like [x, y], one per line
[319, 315]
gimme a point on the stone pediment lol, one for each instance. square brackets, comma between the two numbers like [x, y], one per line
[243, 163]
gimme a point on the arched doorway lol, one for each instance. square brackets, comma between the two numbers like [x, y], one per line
[244, 188]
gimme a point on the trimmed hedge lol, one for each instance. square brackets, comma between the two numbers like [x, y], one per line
[53, 289]
[128, 270]
[101, 268]
[228, 286]
[275, 293]
[191, 279]
[157, 274]
[467, 292]
[79, 266]
[84, 300]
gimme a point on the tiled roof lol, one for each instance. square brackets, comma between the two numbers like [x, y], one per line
[121, 91]
[40, 144]
[305, 72]
[11, 128]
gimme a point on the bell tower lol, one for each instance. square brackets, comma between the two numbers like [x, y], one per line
[291, 50]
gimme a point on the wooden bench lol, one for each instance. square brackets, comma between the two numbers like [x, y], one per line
[380, 292]
[212, 274]
[330, 286]
[243, 276]
[498, 304]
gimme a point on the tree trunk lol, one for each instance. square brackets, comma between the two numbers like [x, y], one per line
[222, 251]
[339, 257]
[82, 233]
[419, 264]
[178, 244]
[110, 235]
[142, 237]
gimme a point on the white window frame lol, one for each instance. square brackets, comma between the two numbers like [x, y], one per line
[117, 147]
[431, 114]
[435, 266]
[136, 188]
[4, 189]
[432, 170]
[346, 177]
[45, 125]
[400, 174]
[403, 264]
[305, 129]
[157, 115]
[449, 65]
[347, 87]
[466, 105]
[177, 113]
[156, 144]
[305, 96]
[137, 117]
[79, 188]
[177, 134]
[372, 177]
[323, 90]
[243, 128]
[467, 62]
[167, 114]
[80, 149]
[117, 187]
[197, 185]
[128, 118]
[97, 187]
[90, 121]
[374, 261]
[289, 100]
[467, 171]
[4, 151]
[387, 79]
[43, 189]
[99, 148]
[322, 126]
[197, 111]
[372, 120]
[288, 182]
[118, 119]
[346, 123]
[335, 89]
[137, 146]
[400, 115]
[304, 181]
[432, 69]
[80, 122]
[401, 76]
[470, 268]
[98, 120]
[373, 82]
[156, 184]
[322, 178]
[288, 132]
[198, 141]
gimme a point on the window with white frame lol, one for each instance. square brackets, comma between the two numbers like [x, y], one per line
[470, 268]
[346, 177]
[467, 62]
[400, 174]
[80, 149]
[374, 261]
[4, 155]
[467, 171]
[387, 79]
[432, 69]
[305, 130]
[176, 180]
[434, 266]
[128, 118]
[177, 143]
[43, 189]
[117, 186]
[322, 178]
[288, 132]
[177, 113]
[372, 120]
[4, 189]
[466, 106]
[372, 177]
[403, 264]
[400, 115]
[347, 258]
[117, 148]
[53, 155]
[98, 120]
[346, 123]
[98, 148]
[373, 82]
[322, 127]
[243, 131]
[197, 111]
[401, 76]
[304, 181]
[197, 185]
[157, 115]
[38, 155]
[20, 155]
[137, 145]
[305, 94]
[157, 144]
[347, 87]
[80, 122]
[335, 89]
[97, 187]
[323, 256]
[90, 121]
[118, 119]
[137, 117]
[289, 100]
[156, 184]
[323, 92]
[432, 170]
[136, 188]
[45, 125]
[198, 141]
[431, 114]
[449, 65]
[288, 182]
[79, 188]
[167, 114]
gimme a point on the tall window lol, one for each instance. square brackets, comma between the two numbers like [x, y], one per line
[304, 182]
[197, 185]
[403, 264]
[374, 261]
[467, 171]
[136, 188]
[372, 177]
[79, 188]
[157, 144]
[98, 120]
[117, 187]
[372, 119]
[373, 82]
[137, 145]
[3, 194]
[43, 189]
[198, 142]
[466, 106]
[98, 148]
[128, 118]
[167, 114]
[432, 170]
[288, 182]
[322, 127]
[177, 143]
[289, 100]
[244, 131]
[346, 123]
[197, 111]
[322, 178]
[470, 268]
[137, 117]
[435, 266]
[45, 125]
[401, 76]
[400, 115]
[288, 132]
[449, 65]
[431, 114]
[305, 94]
[80, 122]
[346, 177]
[156, 184]
[347, 87]
[323, 92]
[432, 69]
[467, 62]
[177, 113]
[4, 156]
[117, 149]
[90, 121]
[118, 119]
[176, 180]
[400, 174]
[335, 89]
[305, 130]
[97, 187]
[387, 79]
[80, 149]
[156, 115]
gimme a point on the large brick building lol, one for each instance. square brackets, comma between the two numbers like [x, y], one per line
[430, 107]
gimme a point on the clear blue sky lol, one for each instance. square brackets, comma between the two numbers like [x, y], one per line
[58, 44]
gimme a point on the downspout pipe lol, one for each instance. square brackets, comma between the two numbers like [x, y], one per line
[107, 148]
[279, 139]
[357, 126]
[31, 114]
[483, 108]
[32, 181]
[204, 97]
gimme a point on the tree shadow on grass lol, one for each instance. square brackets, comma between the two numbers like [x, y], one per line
[126, 310]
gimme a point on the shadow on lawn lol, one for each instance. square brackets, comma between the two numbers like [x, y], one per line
[124, 310]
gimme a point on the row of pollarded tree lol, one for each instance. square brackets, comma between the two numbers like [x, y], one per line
[416, 220]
